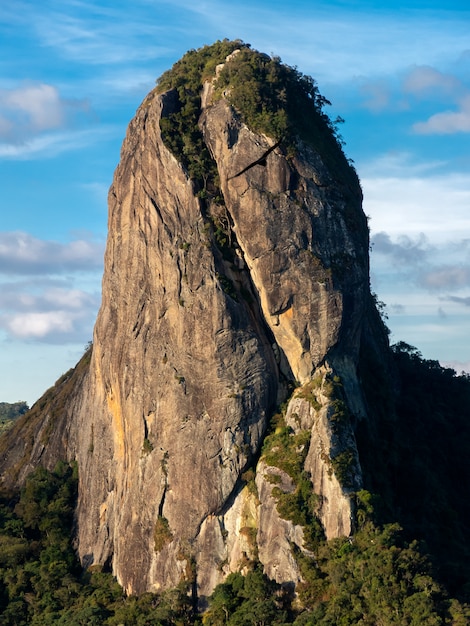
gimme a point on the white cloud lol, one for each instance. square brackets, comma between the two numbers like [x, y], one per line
[47, 313]
[33, 108]
[53, 326]
[402, 197]
[447, 122]
[40, 103]
[37, 122]
[38, 325]
[49, 291]
[21, 253]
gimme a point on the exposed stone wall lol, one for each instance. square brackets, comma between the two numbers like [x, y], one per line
[192, 352]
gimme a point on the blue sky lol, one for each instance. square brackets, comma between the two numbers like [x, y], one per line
[72, 74]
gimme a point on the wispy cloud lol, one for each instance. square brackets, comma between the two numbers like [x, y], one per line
[405, 251]
[377, 93]
[369, 39]
[96, 34]
[429, 81]
[446, 277]
[52, 144]
[421, 264]
[37, 122]
[110, 35]
[429, 84]
[465, 301]
[418, 89]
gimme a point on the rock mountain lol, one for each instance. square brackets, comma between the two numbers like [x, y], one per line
[236, 280]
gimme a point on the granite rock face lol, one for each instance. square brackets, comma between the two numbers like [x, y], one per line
[193, 350]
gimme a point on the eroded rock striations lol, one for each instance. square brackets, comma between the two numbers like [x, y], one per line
[215, 306]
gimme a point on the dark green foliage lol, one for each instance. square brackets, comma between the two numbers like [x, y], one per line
[38, 565]
[416, 456]
[180, 130]
[284, 449]
[309, 392]
[228, 286]
[374, 578]
[162, 533]
[41, 581]
[246, 601]
[344, 465]
[287, 451]
[271, 97]
[281, 102]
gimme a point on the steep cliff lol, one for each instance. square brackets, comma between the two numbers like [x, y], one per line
[236, 278]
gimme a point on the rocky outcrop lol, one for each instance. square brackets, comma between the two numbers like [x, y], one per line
[196, 344]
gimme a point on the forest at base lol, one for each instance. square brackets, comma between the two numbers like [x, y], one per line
[407, 563]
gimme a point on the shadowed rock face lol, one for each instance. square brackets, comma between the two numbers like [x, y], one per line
[194, 349]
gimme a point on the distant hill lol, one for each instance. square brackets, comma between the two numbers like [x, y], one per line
[9, 412]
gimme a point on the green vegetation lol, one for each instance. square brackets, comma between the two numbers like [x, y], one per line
[9, 413]
[41, 581]
[344, 463]
[179, 127]
[247, 600]
[416, 455]
[287, 451]
[284, 449]
[227, 286]
[162, 533]
[376, 577]
[276, 99]
[38, 564]
[408, 563]
[271, 98]
[147, 446]
[309, 392]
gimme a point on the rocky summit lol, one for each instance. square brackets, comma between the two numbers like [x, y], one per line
[213, 420]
